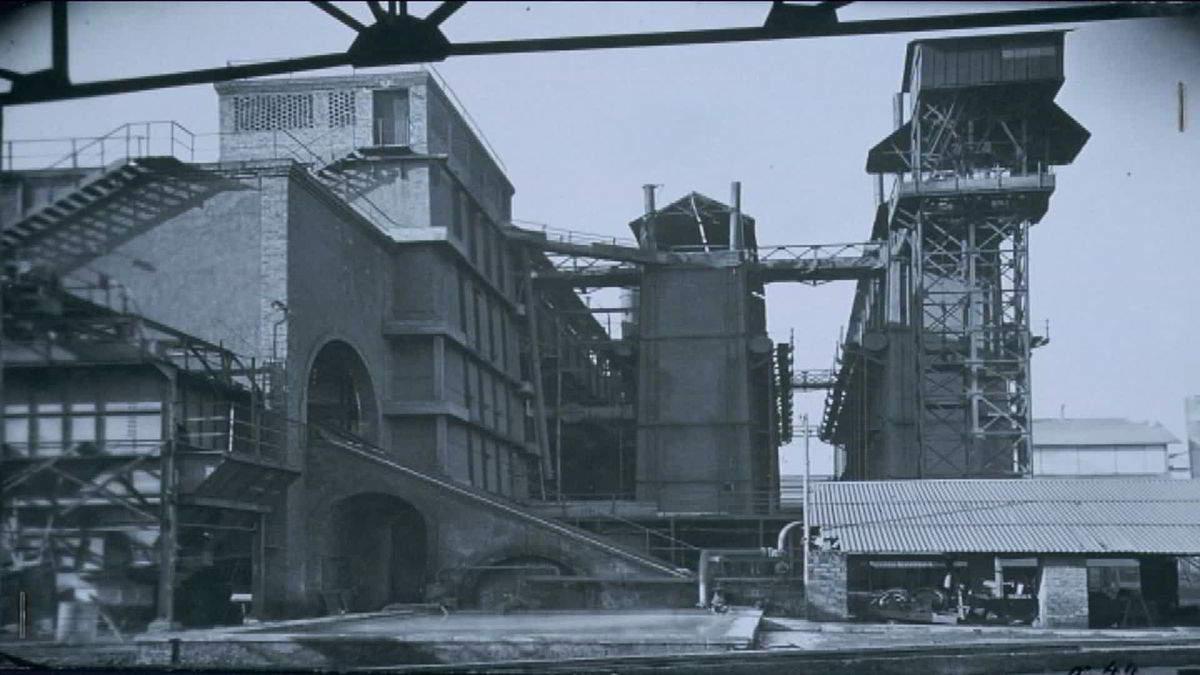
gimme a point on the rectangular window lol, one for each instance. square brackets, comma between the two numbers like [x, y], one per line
[49, 434]
[464, 297]
[473, 234]
[456, 221]
[480, 307]
[504, 342]
[489, 268]
[132, 427]
[16, 430]
[391, 117]
[492, 351]
[505, 482]
[472, 460]
[486, 463]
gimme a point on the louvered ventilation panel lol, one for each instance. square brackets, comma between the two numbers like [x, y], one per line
[266, 112]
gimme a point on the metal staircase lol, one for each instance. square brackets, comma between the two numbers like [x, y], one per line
[108, 209]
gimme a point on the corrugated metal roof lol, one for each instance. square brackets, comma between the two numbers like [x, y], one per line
[1099, 431]
[1116, 515]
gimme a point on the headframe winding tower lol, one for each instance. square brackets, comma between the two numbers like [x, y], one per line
[935, 374]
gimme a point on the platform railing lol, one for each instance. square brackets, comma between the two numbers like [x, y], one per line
[567, 236]
[625, 504]
[132, 140]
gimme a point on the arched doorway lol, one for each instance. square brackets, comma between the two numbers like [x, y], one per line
[340, 395]
[378, 551]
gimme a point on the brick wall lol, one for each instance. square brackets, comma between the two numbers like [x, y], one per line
[826, 592]
[1062, 595]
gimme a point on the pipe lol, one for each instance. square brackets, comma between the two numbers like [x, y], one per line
[735, 216]
[648, 234]
[275, 304]
[702, 578]
[782, 542]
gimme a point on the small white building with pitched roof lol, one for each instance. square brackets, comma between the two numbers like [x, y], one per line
[1098, 447]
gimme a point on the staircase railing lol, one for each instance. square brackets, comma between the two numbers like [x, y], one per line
[352, 443]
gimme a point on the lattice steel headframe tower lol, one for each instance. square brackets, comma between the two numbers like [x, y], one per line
[973, 165]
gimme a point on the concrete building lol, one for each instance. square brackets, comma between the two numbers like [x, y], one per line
[1104, 447]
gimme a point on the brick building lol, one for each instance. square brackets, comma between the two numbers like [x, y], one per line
[348, 246]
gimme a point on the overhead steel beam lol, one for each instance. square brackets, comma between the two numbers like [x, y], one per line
[37, 88]
[333, 10]
[444, 10]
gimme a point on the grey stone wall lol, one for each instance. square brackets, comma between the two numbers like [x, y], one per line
[826, 594]
[1063, 593]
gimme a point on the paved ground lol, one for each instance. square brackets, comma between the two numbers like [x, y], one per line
[735, 628]
[800, 634]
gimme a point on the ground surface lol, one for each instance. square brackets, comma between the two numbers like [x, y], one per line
[800, 634]
[736, 628]
[633, 641]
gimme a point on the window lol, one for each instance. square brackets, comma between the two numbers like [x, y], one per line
[391, 117]
[267, 112]
[485, 235]
[456, 220]
[464, 296]
[492, 351]
[479, 308]
[16, 430]
[473, 235]
[504, 342]
[132, 427]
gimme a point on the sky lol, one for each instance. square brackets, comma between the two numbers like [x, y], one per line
[1113, 264]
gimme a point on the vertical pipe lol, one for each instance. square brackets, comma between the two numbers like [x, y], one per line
[258, 587]
[168, 524]
[558, 406]
[648, 234]
[973, 326]
[1182, 109]
[804, 516]
[735, 216]
[535, 356]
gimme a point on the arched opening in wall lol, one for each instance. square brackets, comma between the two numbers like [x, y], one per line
[378, 553]
[340, 395]
[526, 582]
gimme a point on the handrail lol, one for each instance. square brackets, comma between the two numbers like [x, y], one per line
[363, 448]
